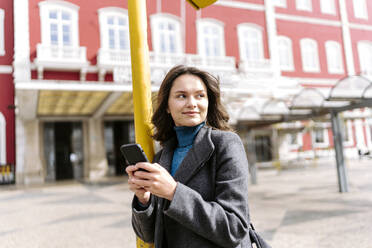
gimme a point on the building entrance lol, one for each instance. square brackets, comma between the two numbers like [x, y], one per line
[63, 150]
[263, 148]
[117, 133]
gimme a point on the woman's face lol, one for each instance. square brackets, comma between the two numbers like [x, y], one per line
[188, 101]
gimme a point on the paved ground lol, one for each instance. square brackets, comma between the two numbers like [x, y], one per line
[297, 207]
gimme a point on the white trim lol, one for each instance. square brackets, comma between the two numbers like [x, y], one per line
[75, 86]
[368, 126]
[272, 38]
[155, 19]
[364, 48]
[305, 51]
[289, 53]
[346, 37]
[350, 141]
[2, 139]
[360, 26]
[338, 58]
[2, 32]
[6, 69]
[359, 134]
[240, 5]
[309, 20]
[214, 23]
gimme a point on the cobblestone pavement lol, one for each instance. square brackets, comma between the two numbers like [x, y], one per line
[297, 207]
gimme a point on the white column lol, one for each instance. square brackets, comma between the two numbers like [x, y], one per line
[21, 61]
[348, 49]
[272, 37]
[95, 154]
[359, 134]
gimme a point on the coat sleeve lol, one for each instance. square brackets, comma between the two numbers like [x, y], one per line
[143, 218]
[225, 220]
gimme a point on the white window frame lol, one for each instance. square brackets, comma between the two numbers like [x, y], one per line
[281, 3]
[288, 50]
[155, 20]
[307, 54]
[360, 9]
[50, 5]
[348, 141]
[365, 57]
[298, 140]
[2, 139]
[201, 36]
[334, 61]
[242, 47]
[2, 33]
[328, 7]
[323, 144]
[104, 14]
[304, 5]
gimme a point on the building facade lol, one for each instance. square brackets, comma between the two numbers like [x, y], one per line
[72, 74]
[7, 116]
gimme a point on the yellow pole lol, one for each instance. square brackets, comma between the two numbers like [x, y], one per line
[141, 81]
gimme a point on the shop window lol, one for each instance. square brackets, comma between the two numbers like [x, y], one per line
[2, 139]
[334, 57]
[285, 53]
[250, 42]
[210, 38]
[309, 55]
[166, 33]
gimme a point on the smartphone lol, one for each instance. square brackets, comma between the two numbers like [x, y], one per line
[133, 153]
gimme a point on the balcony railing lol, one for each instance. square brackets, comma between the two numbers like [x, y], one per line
[257, 67]
[109, 57]
[68, 54]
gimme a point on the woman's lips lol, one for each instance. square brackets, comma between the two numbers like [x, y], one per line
[192, 113]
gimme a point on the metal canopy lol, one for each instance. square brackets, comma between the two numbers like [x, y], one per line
[348, 93]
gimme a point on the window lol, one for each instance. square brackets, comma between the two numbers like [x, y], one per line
[304, 5]
[59, 23]
[334, 57]
[327, 7]
[309, 54]
[2, 140]
[210, 38]
[360, 9]
[365, 57]
[294, 140]
[166, 33]
[114, 28]
[285, 53]
[250, 42]
[320, 137]
[2, 33]
[280, 3]
[347, 132]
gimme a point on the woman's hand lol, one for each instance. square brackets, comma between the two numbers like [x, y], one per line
[155, 179]
[142, 194]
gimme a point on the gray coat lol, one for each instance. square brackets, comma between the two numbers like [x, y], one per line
[210, 204]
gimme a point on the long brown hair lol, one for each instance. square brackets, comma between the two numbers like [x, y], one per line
[217, 116]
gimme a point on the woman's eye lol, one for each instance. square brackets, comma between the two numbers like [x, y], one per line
[181, 96]
[201, 95]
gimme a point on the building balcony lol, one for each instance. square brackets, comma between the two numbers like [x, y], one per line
[257, 68]
[160, 64]
[66, 58]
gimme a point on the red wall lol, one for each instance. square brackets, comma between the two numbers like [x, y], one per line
[6, 81]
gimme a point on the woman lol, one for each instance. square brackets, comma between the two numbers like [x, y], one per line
[195, 193]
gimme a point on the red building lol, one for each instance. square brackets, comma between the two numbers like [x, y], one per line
[72, 74]
[7, 117]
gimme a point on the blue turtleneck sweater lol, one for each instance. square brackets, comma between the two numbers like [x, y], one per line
[185, 137]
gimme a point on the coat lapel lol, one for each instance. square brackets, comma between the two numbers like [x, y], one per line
[199, 153]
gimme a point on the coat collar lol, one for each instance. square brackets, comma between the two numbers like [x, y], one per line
[199, 153]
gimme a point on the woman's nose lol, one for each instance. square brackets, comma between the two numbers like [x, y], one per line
[191, 102]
